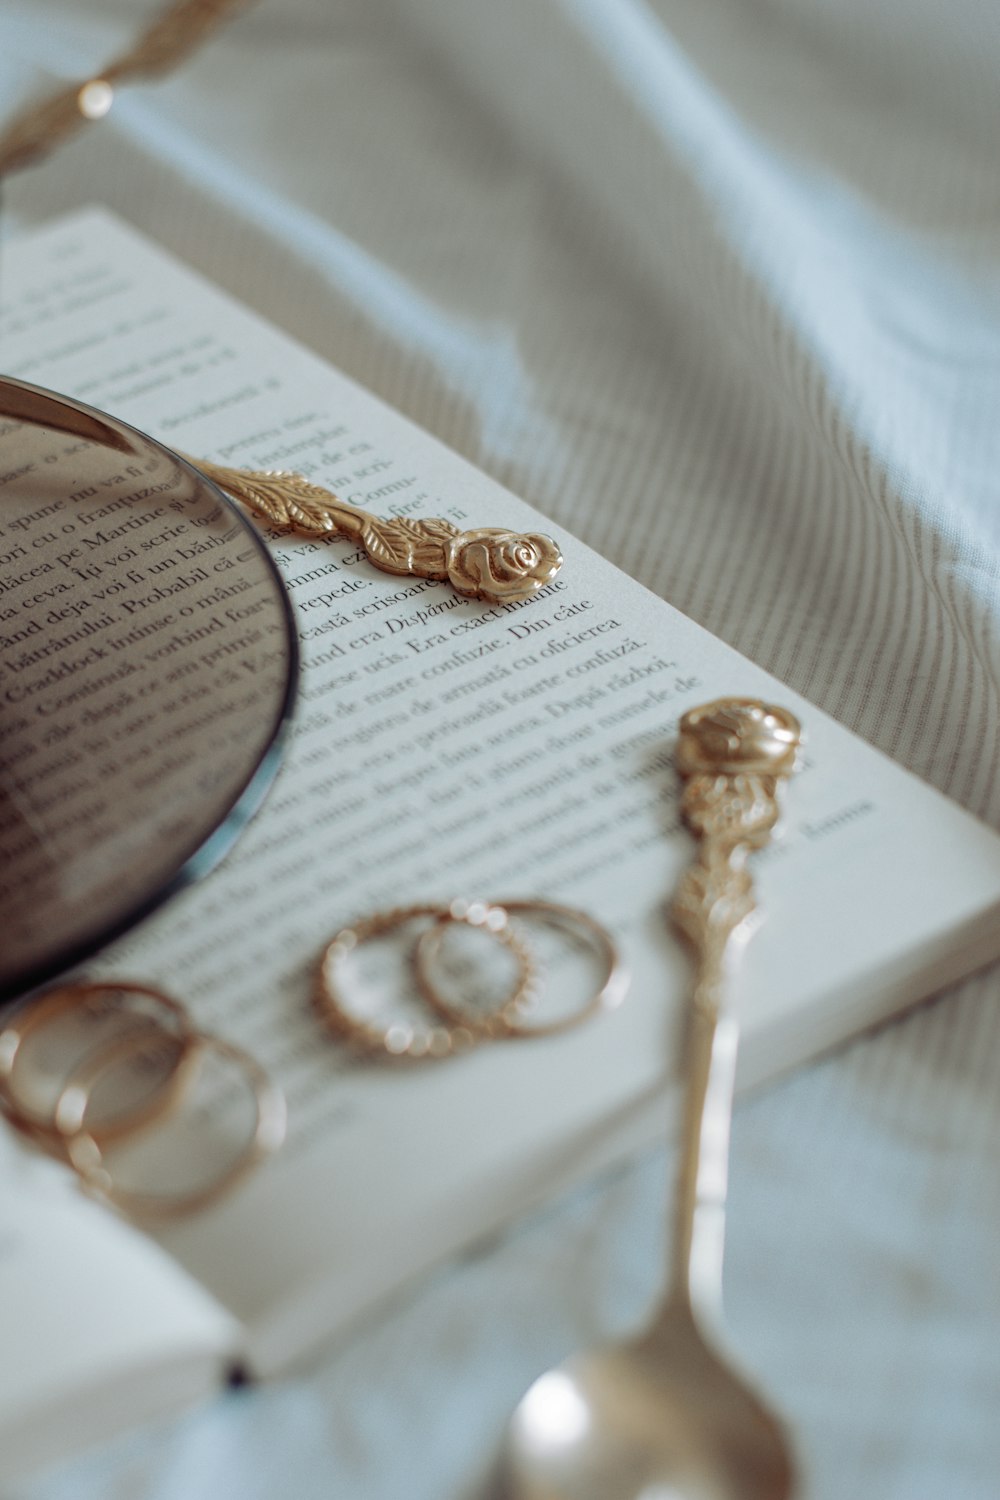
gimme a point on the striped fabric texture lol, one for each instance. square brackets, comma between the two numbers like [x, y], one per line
[715, 284]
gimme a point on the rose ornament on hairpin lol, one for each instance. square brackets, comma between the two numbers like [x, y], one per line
[488, 562]
[503, 567]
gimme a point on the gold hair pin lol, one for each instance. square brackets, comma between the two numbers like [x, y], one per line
[488, 562]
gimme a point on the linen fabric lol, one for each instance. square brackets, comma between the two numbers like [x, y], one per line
[716, 285]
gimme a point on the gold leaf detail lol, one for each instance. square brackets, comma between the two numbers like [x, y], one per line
[400, 545]
[281, 498]
[713, 899]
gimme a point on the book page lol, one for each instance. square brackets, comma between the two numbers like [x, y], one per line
[445, 747]
[99, 1328]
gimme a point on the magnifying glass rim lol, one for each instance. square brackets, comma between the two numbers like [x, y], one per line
[210, 848]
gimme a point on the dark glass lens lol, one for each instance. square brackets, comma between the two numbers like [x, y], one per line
[148, 665]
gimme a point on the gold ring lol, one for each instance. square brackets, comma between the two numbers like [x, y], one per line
[491, 917]
[84, 1150]
[47, 1008]
[404, 1039]
[513, 1019]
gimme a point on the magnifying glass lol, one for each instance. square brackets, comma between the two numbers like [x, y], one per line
[148, 666]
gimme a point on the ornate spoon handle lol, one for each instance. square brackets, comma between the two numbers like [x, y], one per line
[733, 755]
[502, 567]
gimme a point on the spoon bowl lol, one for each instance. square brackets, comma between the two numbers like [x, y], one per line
[661, 1418]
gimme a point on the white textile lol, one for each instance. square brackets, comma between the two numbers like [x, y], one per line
[716, 285]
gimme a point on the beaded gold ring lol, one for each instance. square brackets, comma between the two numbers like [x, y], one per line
[515, 1019]
[405, 1039]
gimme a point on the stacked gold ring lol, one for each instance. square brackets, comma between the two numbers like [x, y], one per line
[514, 1018]
[65, 1130]
[47, 1008]
[450, 1028]
[400, 1039]
[83, 1148]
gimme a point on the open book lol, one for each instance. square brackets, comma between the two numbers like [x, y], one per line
[443, 747]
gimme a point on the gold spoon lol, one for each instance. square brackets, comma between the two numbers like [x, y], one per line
[666, 1416]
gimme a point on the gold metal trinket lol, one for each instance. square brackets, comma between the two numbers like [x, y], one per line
[488, 562]
[733, 754]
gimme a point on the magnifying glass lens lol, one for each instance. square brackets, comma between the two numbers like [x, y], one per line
[147, 671]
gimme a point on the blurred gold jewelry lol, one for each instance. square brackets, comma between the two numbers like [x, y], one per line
[124, 998]
[499, 1020]
[666, 1413]
[513, 1019]
[487, 562]
[178, 31]
[406, 1039]
[734, 755]
[89, 1160]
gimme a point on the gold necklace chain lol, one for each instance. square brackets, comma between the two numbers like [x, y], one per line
[179, 30]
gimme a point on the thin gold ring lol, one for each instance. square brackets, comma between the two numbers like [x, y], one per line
[84, 1150]
[492, 917]
[403, 1039]
[43, 1011]
[513, 1020]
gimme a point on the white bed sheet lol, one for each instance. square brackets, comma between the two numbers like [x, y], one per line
[716, 284]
